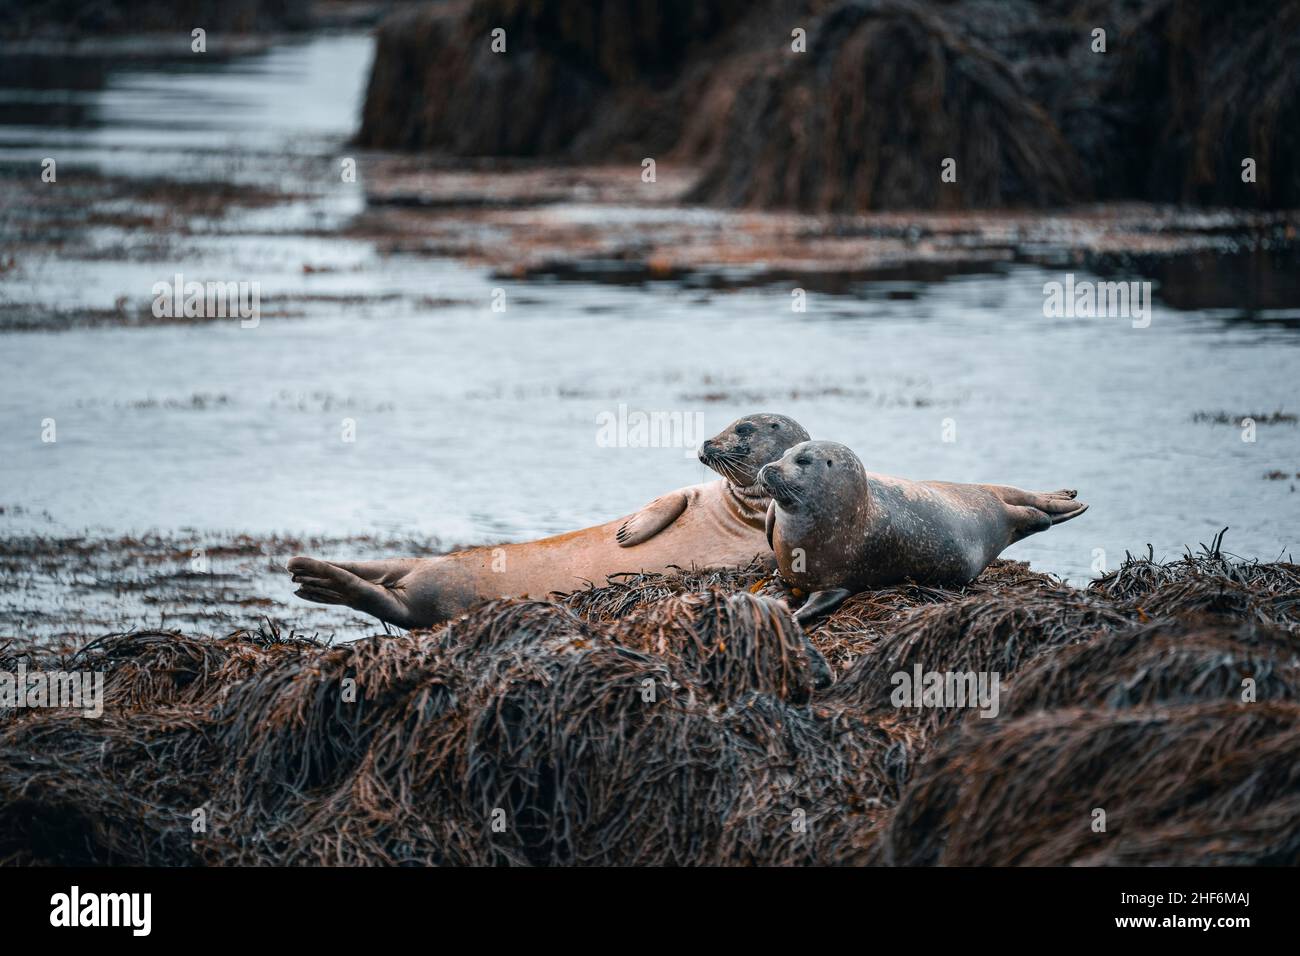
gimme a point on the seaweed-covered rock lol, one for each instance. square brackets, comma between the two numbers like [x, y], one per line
[888, 91]
[1219, 779]
[574, 77]
[674, 719]
[1199, 87]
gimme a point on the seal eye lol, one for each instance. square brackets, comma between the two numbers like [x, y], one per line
[775, 425]
[828, 462]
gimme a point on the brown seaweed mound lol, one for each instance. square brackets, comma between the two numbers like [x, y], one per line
[887, 92]
[995, 633]
[1164, 663]
[1201, 86]
[574, 78]
[1203, 784]
[675, 719]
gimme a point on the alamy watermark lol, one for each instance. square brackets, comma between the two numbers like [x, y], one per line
[74, 908]
[1086, 299]
[635, 429]
[208, 300]
[947, 689]
[66, 690]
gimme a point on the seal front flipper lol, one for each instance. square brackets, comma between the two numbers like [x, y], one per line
[651, 519]
[820, 603]
[770, 523]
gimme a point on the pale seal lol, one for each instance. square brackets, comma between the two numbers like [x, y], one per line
[838, 529]
[715, 524]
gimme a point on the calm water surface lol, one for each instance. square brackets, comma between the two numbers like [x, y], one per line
[476, 426]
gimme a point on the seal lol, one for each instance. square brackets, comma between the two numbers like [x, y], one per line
[838, 529]
[715, 524]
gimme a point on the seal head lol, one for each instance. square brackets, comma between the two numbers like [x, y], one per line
[814, 478]
[747, 444]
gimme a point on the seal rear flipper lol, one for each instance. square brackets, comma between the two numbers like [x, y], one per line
[327, 583]
[1059, 506]
[1060, 516]
[1033, 518]
[651, 519]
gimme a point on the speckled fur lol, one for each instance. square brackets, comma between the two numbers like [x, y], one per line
[858, 530]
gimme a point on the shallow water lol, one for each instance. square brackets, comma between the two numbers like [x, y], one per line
[476, 426]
